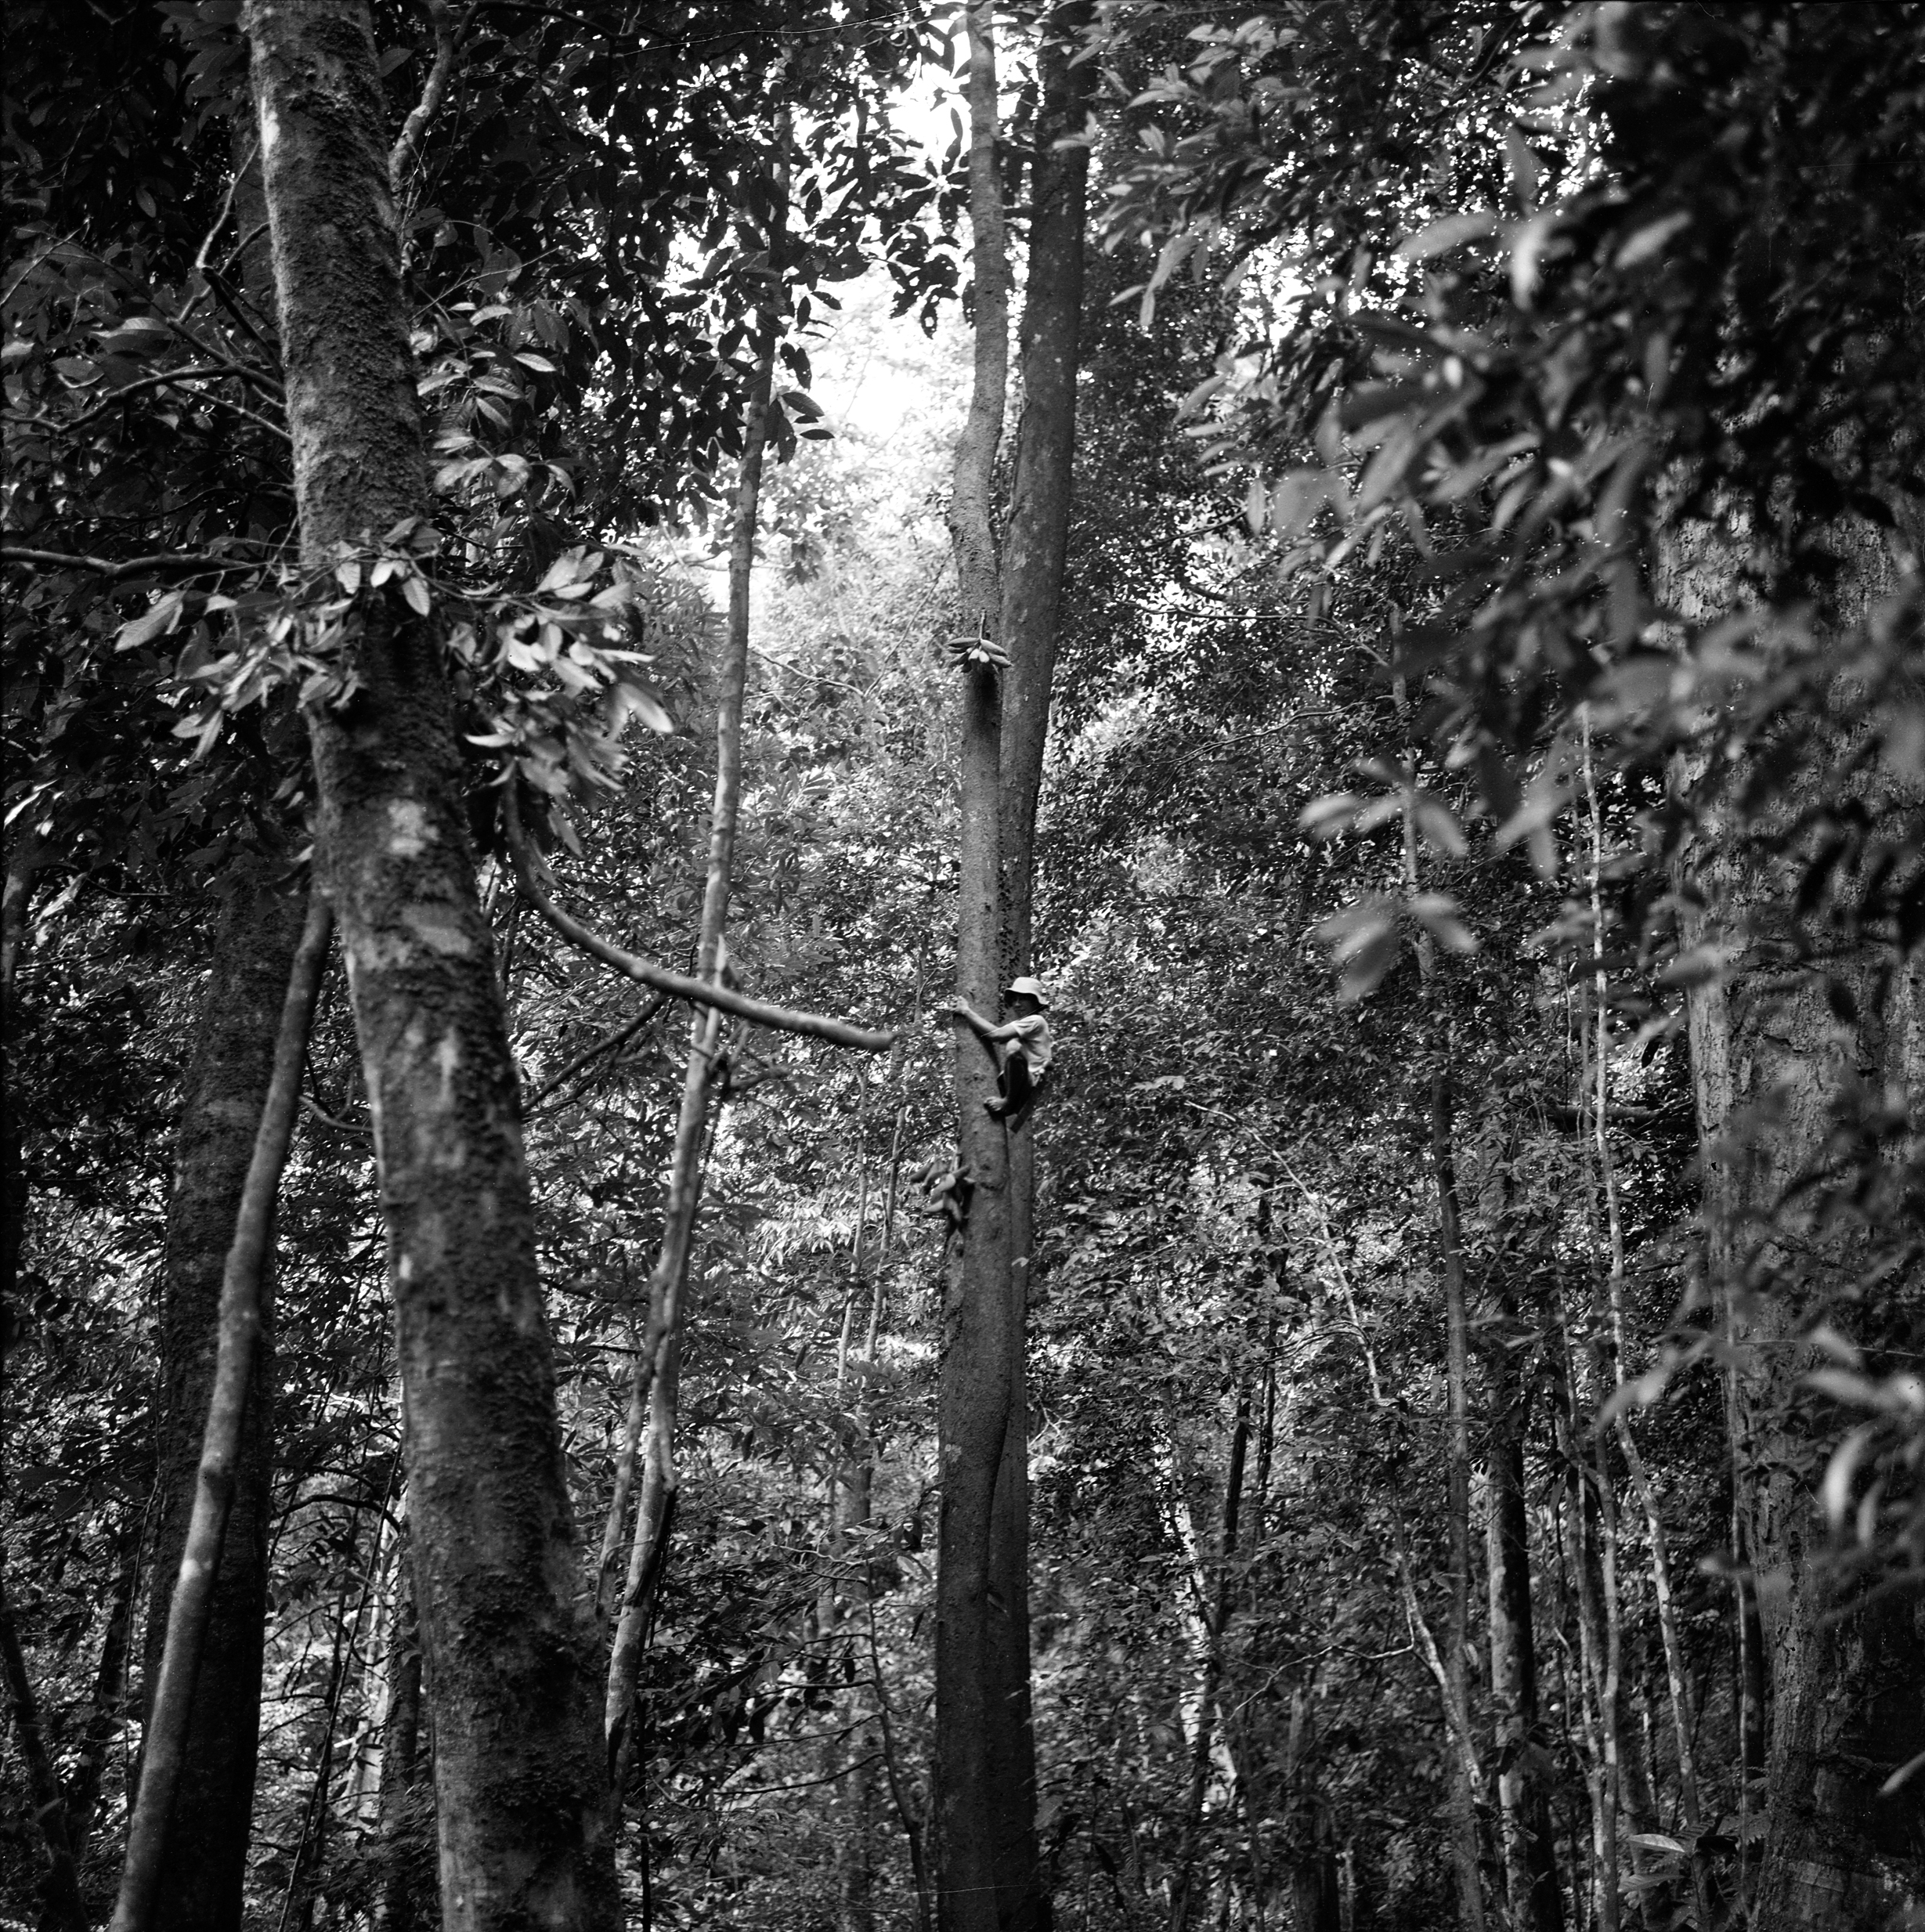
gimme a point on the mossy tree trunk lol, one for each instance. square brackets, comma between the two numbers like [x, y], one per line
[511, 1669]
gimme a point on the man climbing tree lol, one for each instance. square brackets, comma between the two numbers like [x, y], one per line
[1021, 1047]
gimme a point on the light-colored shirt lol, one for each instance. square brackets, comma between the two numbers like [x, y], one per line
[1031, 1042]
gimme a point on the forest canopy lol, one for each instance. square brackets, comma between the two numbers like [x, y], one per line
[963, 967]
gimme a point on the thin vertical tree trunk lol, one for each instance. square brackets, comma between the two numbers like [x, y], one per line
[1457, 1655]
[27, 854]
[1535, 1898]
[846, 1509]
[1594, 1685]
[668, 1289]
[1464, 1834]
[519, 1774]
[163, 1835]
[1215, 1629]
[105, 1704]
[1634, 1461]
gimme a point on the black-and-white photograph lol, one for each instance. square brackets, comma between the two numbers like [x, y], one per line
[963, 967]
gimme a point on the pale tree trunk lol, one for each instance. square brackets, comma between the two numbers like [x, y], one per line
[1217, 1605]
[846, 1507]
[980, 1335]
[519, 1777]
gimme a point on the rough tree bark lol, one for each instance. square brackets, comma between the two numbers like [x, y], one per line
[980, 1336]
[1036, 541]
[519, 1777]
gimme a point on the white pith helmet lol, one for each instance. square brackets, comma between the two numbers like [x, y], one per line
[1029, 983]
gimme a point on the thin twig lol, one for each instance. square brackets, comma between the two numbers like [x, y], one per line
[189, 563]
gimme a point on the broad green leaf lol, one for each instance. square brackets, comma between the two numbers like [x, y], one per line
[157, 621]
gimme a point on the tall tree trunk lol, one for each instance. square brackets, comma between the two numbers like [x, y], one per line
[980, 1871]
[1036, 540]
[200, 1880]
[519, 1774]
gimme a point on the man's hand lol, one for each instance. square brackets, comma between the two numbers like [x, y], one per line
[959, 1009]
